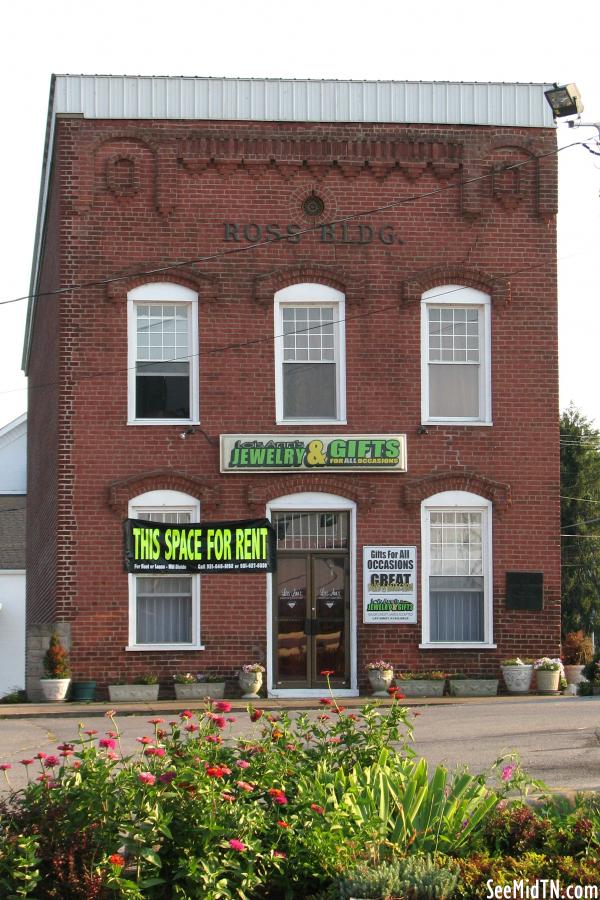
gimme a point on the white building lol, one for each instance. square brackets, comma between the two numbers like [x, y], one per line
[13, 488]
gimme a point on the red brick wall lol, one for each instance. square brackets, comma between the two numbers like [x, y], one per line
[139, 195]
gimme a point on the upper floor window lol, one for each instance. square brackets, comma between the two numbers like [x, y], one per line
[163, 354]
[310, 377]
[455, 356]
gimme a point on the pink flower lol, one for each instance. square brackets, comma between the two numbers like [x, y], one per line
[51, 761]
[316, 808]
[144, 740]
[227, 796]
[223, 706]
[91, 732]
[66, 747]
[26, 762]
[5, 766]
[41, 755]
[155, 721]
[191, 728]
[186, 714]
[280, 799]
[107, 743]
[243, 764]
[110, 754]
[507, 772]
[213, 738]
[219, 721]
[147, 778]
[334, 740]
[237, 845]
[244, 786]
[279, 853]
[231, 719]
[167, 777]
[155, 751]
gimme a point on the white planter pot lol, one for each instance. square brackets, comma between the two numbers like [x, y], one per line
[200, 690]
[380, 680]
[422, 687]
[473, 687]
[547, 681]
[54, 689]
[250, 683]
[138, 693]
[573, 674]
[517, 678]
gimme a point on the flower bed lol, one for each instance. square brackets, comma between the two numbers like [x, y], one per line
[318, 805]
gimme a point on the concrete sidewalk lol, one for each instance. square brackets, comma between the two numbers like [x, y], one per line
[159, 707]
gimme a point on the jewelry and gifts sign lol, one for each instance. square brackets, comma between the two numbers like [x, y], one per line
[249, 545]
[313, 452]
[389, 585]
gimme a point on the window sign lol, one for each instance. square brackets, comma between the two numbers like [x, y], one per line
[389, 585]
[166, 548]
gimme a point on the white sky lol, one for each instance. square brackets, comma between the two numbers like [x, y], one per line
[466, 40]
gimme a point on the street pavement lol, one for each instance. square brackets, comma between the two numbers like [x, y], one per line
[558, 738]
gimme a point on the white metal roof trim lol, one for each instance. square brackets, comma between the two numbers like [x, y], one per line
[453, 103]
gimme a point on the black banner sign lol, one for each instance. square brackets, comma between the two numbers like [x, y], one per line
[164, 547]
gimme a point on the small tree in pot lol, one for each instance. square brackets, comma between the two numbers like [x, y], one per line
[577, 650]
[57, 671]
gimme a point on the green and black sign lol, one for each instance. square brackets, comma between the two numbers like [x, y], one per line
[249, 453]
[167, 548]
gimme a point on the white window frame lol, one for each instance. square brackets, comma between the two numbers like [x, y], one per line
[455, 295]
[458, 501]
[162, 293]
[312, 294]
[164, 501]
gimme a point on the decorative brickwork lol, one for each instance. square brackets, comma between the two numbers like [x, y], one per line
[414, 492]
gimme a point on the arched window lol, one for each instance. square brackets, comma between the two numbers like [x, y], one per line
[164, 610]
[310, 364]
[456, 356]
[163, 354]
[456, 545]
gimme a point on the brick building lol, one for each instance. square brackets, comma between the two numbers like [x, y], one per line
[332, 304]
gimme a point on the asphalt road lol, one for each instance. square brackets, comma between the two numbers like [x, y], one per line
[558, 739]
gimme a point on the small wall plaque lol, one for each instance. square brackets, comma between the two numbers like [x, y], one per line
[525, 590]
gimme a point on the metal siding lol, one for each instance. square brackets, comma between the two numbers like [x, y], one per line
[452, 103]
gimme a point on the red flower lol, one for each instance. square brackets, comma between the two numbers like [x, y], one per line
[155, 751]
[26, 762]
[223, 706]
[90, 732]
[41, 755]
[186, 714]
[144, 740]
[147, 778]
[328, 672]
[219, 721]
[282, 824]
[213, 738]
[191, 728]
[107, 743]
[5, 766]
[116, 859]
[167, 777]
[279, 853]
[255, 715]
[326, 701]
[66, 747]
[155, 721]
[51, 761]
[214, 771]
[316, 808]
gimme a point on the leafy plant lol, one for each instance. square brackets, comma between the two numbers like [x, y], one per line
[380, 882]
[184, 678]
[146, 678]
[56, 659]
[427, 878]
[577, 648]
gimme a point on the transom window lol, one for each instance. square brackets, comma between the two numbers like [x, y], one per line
[311, 530]
[309, 351]
[163, 354]
[456, 355]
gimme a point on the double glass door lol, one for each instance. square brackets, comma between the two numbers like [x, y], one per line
[311, 600]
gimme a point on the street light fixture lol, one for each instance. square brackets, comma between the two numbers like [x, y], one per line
[564, 100]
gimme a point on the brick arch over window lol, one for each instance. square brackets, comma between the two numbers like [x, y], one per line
[419, 489]
[206, 286]
[265, 489]
[265, 286]
[414, 287]
[122, 491]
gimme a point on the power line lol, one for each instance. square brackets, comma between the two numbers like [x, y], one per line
[584, 499]
[311, 229]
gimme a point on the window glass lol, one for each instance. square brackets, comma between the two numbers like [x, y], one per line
[162, 361]
[454, 362]
[456, 582]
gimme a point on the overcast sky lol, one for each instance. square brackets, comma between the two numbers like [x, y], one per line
[384, 39]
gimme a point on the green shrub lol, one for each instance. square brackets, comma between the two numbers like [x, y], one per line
[379, 882]
[427, 878]
[56, 659]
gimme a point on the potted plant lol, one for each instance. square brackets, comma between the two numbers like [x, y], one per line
[57, 671]
[381, 675]
[197, 687]
[250, 677]
[548, 674]
[517, 674]
[592, 672]
[83, 691]
[422, 684]
[577, 650]
[472, 685]
[144, 689]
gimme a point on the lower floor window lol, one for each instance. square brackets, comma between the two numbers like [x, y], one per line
[456, 571]
[164, 609]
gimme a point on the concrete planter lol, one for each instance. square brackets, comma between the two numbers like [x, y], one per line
[380, 680]
[573, 674]
[473, 687]
[138, 693]
[250, 684]
[547, 681]
[54, 690]
[200, 690]
[422, 687]
[517, 678]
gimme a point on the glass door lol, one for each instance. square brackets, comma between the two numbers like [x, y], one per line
[311, 601]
